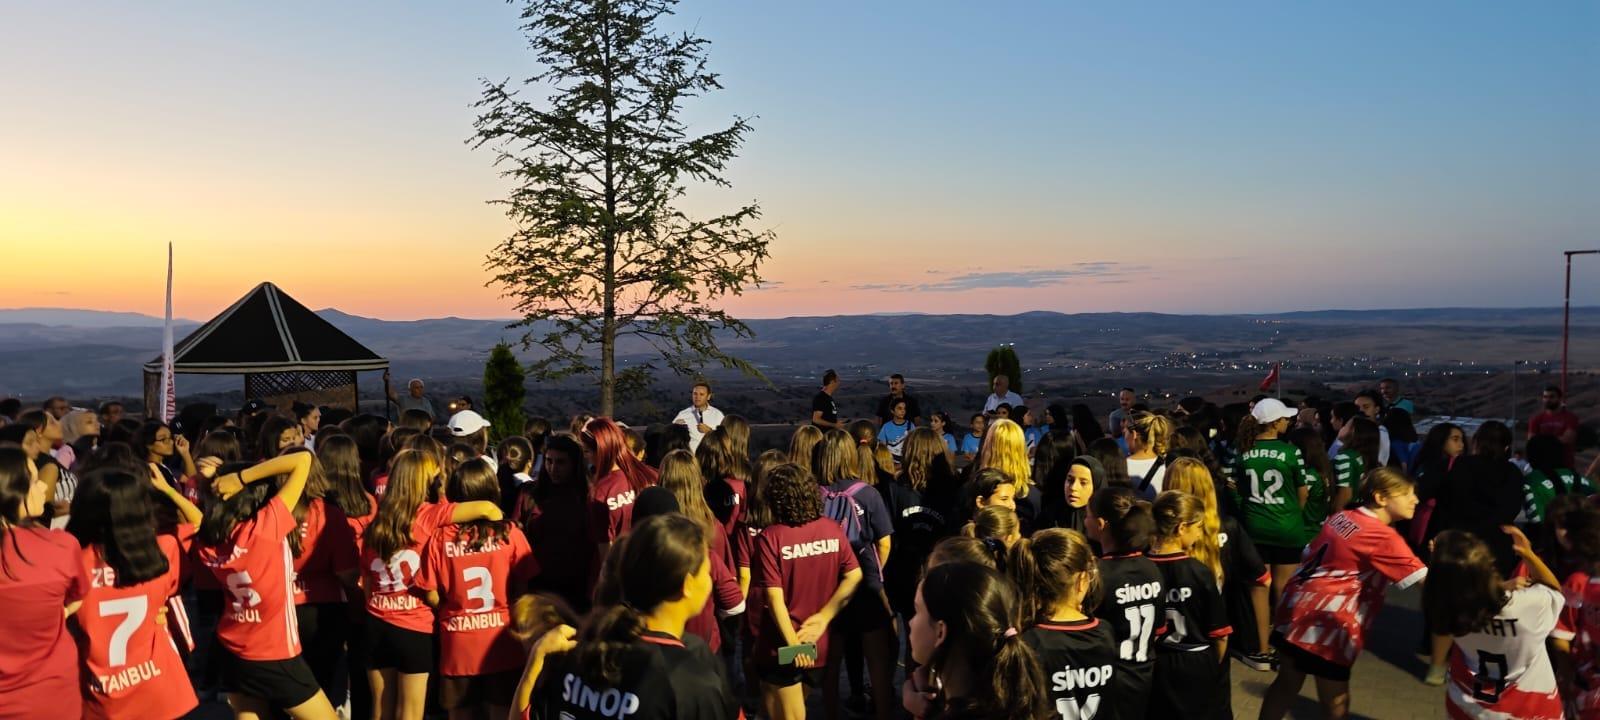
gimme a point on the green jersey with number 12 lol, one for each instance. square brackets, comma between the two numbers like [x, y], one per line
[1270, 475]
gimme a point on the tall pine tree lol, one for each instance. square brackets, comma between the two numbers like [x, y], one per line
[600, 251]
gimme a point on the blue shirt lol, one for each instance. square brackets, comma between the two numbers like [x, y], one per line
[950, 442]
[971, 444]
[894, 435]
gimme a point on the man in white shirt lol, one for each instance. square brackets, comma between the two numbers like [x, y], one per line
[1002, 394]
[700, 417]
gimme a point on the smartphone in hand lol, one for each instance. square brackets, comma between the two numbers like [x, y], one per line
[788, 653]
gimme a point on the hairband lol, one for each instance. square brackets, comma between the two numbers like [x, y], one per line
[1010, 632]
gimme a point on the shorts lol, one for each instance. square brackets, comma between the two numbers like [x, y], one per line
[1309, 663]
[389, 647]
[1184, 684]
[1280, 554]
[785, 675]
[457, 692]
[865, 612]
[282, 683]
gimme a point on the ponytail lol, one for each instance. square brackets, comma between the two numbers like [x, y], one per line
[1047, 567]
[1129, 523]
[643, 569]
[1018, 685]
[1248, 430]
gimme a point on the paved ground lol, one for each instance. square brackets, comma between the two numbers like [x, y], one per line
[1386, 683]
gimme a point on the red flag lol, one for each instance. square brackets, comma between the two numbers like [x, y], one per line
[1271, 379]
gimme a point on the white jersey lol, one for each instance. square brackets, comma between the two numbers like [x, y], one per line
[1503, 670]
[694, 417]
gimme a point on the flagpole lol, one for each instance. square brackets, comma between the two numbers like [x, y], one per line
[169, 393]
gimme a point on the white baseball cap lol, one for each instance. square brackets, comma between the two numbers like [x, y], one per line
[1267, 410]
[466, 422]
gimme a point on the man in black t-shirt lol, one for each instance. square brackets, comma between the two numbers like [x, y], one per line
[897, 391]
[824, 411]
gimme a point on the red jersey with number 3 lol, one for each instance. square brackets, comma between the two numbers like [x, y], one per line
[132, 666]
[389, 581]
[1327, 606]
[474, 612]
[1502, 671]
[257, 573]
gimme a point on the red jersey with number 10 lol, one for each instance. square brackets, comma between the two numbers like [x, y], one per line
[474, 609]
[133, 667]
[388, 581]
[1328, 605]
[255, 569]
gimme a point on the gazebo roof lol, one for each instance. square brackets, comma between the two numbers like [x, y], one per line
[267, 331]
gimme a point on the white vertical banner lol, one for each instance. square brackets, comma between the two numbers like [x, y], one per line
[169, 393]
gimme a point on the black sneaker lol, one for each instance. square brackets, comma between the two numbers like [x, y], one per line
[858, 703]
[1260, 662]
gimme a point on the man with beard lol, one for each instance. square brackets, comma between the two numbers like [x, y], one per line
[1556, 421]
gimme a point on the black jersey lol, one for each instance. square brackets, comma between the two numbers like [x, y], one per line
[1080, 661]
[1133, 605]
[1242, 570]
[662, 678]
[1195, 616]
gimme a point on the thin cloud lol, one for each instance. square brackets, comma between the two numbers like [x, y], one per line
[1026, 278]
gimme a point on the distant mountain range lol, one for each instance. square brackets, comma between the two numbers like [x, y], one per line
[92, 354]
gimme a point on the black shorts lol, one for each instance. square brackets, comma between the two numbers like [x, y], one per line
[396, 648]
[865, 612]
[1307, 662]
[282, 683]
[457, 692]
[785, 675]
[1184, 684]
[1280, 554]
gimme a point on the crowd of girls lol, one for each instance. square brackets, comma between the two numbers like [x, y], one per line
[317, 566]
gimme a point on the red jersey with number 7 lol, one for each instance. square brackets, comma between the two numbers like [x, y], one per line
[255, 569]
[1327, 606]
[132, 666]
[474, 586]
[389, 581]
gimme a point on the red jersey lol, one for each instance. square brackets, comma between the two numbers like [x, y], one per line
[1503, 670]
[1580, 624]
[725, 598]
[474, 609]
[255, 568]
[389, 583]
[610, 507]
[132, 668]
[1328, 605]
[358, 525]
[807, 563]
[1555, 423]
[38, 660]
[327, 548]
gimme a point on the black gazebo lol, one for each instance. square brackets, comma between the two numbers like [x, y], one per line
[284, 351]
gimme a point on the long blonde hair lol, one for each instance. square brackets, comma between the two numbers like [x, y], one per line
[1190, 475]
[681, 474]
[923, 449]
[1005, 449]
[801, 445]
[835, 458]
[410, 475]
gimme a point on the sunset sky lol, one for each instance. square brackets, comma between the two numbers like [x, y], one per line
[911, 156]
